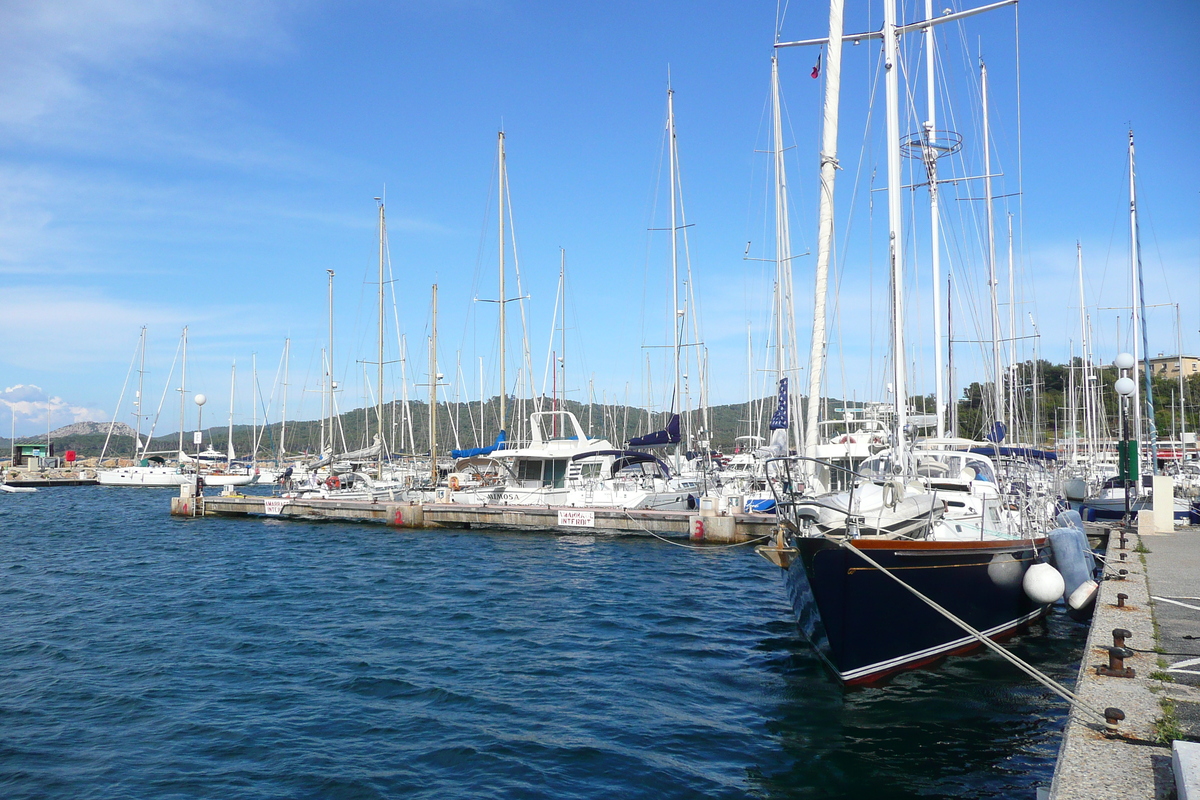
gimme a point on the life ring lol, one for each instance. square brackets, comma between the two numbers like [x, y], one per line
[333, 482]
[454, 483]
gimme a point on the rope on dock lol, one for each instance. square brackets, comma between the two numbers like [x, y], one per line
[1020, 663]
[625, 511]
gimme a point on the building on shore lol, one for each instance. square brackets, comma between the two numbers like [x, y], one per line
[1169, 366]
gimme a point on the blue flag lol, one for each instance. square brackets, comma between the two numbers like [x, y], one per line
[779, 420]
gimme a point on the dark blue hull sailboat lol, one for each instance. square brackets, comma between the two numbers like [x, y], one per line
[865, 626]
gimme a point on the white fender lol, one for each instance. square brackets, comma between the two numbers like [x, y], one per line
[1043, 584]
[1004, 570]
[1083, 595]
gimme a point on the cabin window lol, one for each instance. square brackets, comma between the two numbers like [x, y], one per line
[590, 471]
[529, 470]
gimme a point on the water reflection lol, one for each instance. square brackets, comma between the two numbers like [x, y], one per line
[971, 727]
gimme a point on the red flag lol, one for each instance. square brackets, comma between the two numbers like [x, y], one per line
[816, 72]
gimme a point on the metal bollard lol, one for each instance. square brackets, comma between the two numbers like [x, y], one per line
[1123, 545]
[1121, 598]
[1119, 637]
[1121, 573]
[1112, 716]
[1124, 556]
[1116, 663]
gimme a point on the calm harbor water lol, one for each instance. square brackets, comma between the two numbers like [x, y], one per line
[150, 657]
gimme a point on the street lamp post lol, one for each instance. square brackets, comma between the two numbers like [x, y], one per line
[200, 401]
[1125, 387]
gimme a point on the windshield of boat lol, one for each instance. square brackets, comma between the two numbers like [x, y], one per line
[954, 465]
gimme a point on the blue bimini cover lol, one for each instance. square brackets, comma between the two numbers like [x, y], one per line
[480, 451]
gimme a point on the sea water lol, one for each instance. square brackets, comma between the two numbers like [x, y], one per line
[145, 656]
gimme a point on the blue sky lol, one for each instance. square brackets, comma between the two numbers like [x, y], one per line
[204, 163]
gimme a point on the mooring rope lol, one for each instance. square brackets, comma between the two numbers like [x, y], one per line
[625, 511]
[1020, 663]
[1110, 566]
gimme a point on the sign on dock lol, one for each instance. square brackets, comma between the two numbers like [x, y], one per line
[570, 518]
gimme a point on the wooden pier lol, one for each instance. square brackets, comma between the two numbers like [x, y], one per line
[668, 524]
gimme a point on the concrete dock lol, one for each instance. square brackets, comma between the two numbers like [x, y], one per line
[46, 478]
[667, 524]
[1137, 762]
[46, 483]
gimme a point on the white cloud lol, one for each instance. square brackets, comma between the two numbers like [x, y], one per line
[58, 51]
[27, 405]
[111, 77]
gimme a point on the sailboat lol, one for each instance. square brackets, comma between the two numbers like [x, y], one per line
[908, 564]
[208, 462]
[560, 465]
[349, 475]
[152, 470]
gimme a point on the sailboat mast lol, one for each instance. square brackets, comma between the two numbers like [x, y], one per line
[1072, 407]
[783, 256]
[254, 437]
[229, 440]
[433, 383]
[329, 362]
[1088, 432]
[137, 440]
[676, 312]
[324, 400]
[1141, 346]
[829, 133]
[935, 241]
[997, 362]
[1182, 413]
[750, 427]
[502, 179]
[287, 346]
[183, 391]
[562, 353]
[407, 421]
[379, 393]
[895, 224]
[1012, 338]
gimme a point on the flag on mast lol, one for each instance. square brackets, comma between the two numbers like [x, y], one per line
[779, 420]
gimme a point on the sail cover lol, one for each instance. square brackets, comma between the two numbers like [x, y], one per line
[669, 435]
[480, 451]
